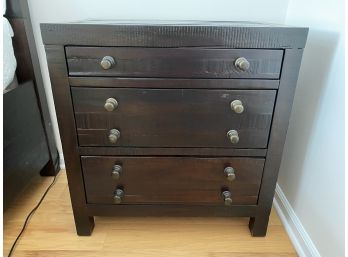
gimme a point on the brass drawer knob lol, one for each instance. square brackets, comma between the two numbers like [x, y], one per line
[237, 106]
[230, 174]
[116, 171]
[233, 136]
[110, 104]
[227, 197]
[114, 135]
[242, 64]
[107, 62]
[118, 196]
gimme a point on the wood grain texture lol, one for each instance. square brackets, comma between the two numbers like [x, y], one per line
[291, 67]
[173, 83]
[150, 34]
[180, 113]
[65, 115]
[171, 210]
[177, 180]
[168, 151]
[174, 62]
[173, 117]
[50, 232]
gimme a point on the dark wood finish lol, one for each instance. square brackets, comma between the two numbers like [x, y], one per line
[25, 149]
[173, 117]
[160, 151]
[171, 210]
[14, 8]
[148, 180]
[29, 146]
[170, 103]
[258, 224]
[173, 83]
[24, 70]
[28, 68]
[223, 34]
[174, 62]
[65, 115]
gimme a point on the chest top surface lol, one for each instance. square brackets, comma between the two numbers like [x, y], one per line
[161, 33]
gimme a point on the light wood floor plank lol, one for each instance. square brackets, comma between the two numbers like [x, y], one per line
[51, 232]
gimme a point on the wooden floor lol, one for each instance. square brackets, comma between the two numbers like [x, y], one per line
[51, 232]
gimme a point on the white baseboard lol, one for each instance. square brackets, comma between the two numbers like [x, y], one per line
[61, 161]
[297, 233]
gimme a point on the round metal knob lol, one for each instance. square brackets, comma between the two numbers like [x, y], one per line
[114, 135]
[110, 104]
[230, 174]
[107, 62]
[116, 171]
[227, 196]
[118, 196]
[242, 64]
[237, 106]
[233, 136]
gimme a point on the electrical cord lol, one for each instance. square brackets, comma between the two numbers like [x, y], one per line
[30, 215]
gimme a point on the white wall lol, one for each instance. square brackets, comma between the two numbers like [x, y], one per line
[65, 10]
[312, 170]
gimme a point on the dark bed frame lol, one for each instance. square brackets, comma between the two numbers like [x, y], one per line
[29, 145]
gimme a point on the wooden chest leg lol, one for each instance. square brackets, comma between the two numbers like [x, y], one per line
[258, 226]
[84, 225]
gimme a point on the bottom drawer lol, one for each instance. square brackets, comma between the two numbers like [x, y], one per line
[173, 180]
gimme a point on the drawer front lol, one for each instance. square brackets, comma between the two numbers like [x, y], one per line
[173, 117]
[176, 180]
[174, 62]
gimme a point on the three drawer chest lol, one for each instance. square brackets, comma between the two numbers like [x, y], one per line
[173, 118]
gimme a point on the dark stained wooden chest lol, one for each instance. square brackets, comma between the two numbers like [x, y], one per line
[173, 118]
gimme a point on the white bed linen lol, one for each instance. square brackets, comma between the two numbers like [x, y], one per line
[9, 59]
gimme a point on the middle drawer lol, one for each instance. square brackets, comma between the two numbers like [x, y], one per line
[173, 117]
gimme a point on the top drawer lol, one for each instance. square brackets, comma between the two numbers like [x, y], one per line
[174, 62]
